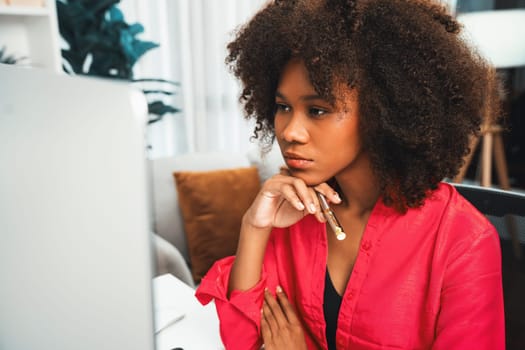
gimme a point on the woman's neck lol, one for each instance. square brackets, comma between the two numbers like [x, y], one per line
[359, 188]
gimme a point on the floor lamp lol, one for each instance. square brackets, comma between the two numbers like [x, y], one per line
[500, 37]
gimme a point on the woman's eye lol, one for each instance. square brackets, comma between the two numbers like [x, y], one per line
[281, 107]
[317, 112]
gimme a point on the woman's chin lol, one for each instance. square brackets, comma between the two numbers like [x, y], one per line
[309, 179]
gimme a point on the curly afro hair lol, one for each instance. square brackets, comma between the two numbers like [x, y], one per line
[423, 91]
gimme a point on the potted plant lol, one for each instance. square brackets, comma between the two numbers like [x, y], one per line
[101, 43]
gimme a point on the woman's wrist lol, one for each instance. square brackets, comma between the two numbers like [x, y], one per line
[252, 240]
[248, 227]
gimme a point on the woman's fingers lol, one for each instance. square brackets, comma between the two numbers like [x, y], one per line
[319, 213]
[286, 307]
[306, 194]
[284, 171]
[278, 311]
[290, 194]
[266, 330]
[323, 188]
[297, 194]
[330, 194]
[294, 190]
[272, 311]
[281, 328]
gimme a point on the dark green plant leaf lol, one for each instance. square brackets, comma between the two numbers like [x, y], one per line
[111, 66]
[114, 13]
[98, 28]
[159, 92]
[139, 49]
[135, 28]
[9, 59]
[75, 59]
[156, 80]
[159, 109]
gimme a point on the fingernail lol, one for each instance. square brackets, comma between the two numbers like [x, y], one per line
[279, 289]
[312, 208]
[300, 206]
[336, 197]
[266, 289]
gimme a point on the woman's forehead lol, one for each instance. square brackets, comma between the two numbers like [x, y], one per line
[340, 88]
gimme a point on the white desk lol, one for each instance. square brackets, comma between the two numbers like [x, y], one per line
[199, 329]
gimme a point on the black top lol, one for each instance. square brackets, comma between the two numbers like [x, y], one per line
[331, 305]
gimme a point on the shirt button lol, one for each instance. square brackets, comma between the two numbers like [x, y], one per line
[366, 245]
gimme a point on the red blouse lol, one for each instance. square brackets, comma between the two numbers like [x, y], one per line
[428, 279]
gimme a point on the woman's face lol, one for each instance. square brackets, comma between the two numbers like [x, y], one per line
[318, 140]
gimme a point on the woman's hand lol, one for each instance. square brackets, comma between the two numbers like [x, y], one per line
[284, 200]
[280, 327]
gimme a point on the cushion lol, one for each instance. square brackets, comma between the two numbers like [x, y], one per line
[212, 205]
[166, 210]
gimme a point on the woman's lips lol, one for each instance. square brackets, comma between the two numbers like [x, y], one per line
[297, 162]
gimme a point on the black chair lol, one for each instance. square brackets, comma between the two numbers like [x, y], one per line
[492, 201]
[496, 204]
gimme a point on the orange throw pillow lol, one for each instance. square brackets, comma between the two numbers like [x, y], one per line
[212, 205]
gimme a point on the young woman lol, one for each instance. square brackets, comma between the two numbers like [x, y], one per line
[373, 103]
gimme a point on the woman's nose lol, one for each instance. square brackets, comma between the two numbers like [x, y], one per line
[295, 130]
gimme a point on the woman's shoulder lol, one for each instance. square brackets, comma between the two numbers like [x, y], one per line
[447, 198]
[459, 217]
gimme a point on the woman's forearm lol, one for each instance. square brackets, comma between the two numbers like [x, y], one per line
[246, 270]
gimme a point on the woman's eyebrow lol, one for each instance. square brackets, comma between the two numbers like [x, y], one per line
[304, 98]
[280, 95]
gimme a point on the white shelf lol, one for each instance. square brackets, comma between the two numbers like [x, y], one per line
[31, 32]
[23, 11]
